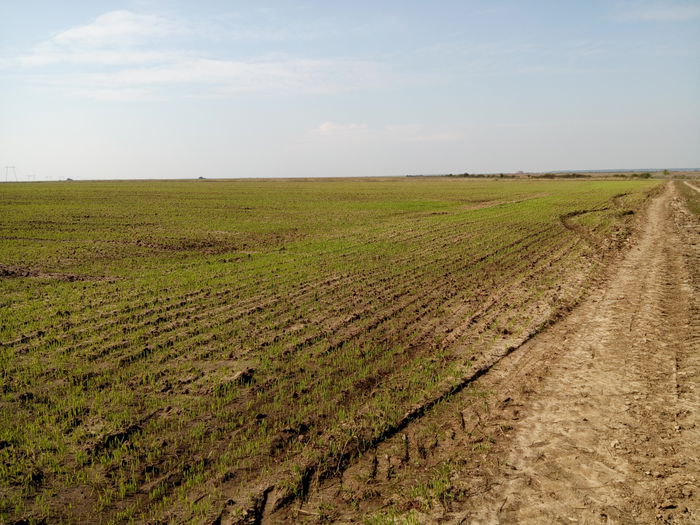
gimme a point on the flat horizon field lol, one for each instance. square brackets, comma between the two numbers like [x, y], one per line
[191, 350]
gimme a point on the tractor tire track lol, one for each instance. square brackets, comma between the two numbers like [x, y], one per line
[612, 431]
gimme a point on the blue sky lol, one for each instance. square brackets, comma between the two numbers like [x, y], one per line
[149, 88]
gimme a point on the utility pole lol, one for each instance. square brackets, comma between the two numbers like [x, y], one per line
[9, 169]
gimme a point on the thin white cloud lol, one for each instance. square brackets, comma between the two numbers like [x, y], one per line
[112, 39]
[659, 11]
[119, 27]
[115, 57]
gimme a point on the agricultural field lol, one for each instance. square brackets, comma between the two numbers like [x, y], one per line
[206, 350]
[690, 190]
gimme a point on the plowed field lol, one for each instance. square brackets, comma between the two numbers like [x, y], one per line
[208, 350]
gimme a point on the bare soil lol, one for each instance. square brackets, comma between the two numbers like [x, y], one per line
[611, 433]
[692, 185]
[593, 420]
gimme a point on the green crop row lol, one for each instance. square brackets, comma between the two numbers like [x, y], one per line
[166, 347]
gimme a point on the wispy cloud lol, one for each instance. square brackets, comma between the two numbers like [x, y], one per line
[658, 11]
[122, 55]
[119, 27]
[112, 39]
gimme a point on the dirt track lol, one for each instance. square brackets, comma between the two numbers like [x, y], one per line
[606, 404]
[594, 420]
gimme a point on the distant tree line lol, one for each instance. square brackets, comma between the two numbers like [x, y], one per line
[572, 175]
[561, 176]
[481, 175]
[644, 175]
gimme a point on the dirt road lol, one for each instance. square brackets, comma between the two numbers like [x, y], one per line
[594, 420]
[606, 404]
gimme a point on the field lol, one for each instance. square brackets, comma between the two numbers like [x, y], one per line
[205, 350]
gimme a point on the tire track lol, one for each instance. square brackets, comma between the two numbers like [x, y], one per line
[612, 432]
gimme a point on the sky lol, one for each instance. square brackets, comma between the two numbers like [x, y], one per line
[98, 89]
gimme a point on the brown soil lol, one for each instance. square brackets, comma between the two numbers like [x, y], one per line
[611, 433]
[14, 272]
[594, 420]
[692, 185]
